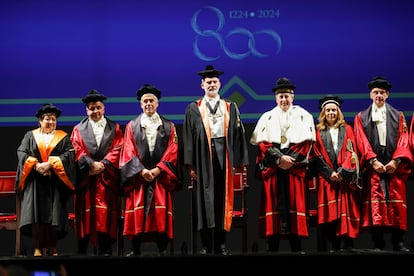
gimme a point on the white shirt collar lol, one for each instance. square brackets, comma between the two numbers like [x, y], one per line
[151, 121]
[379, 114]
[212, 100]
[100, 123]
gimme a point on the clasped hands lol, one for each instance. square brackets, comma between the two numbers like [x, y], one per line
[335, 177]
[43, 168]
[96, 168]
[150, 175]
[285, 162]
[390, 167]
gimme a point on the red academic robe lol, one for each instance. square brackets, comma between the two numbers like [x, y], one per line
[338, 201]
[149, 206]
[379, 207]
[412, 134]
[97, 197]
[269, 214]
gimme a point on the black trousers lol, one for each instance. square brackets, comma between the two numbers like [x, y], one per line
[378, 236]
[213, 239]
[294, 241]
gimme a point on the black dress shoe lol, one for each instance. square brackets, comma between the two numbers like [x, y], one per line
[204, 251]
[400, 247]
[163, 253]
[106, 252]
[223, 251]
[133, 253]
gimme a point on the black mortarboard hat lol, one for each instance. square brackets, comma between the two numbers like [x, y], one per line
[283, 85]
[48, 108]
[330, 99]
[94, 96]
[379, 82]
[148, 89]
[210, 72]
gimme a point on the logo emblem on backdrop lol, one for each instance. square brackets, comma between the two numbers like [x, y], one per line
[251, 37]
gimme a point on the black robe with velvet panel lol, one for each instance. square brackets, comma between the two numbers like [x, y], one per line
[44, 199]
[197, 146]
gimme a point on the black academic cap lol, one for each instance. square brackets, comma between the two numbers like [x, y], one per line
[148, 89]
[48, 108]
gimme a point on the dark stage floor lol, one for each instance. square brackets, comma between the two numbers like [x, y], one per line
[356, 261]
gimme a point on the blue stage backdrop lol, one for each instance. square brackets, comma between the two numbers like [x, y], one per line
[56, 51]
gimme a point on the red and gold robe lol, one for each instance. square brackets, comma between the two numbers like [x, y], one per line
[338, 201]
[384, 201]
[97, 200]
[412, 134]
[149, 206]
[275, 209]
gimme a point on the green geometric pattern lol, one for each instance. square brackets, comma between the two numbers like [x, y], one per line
[228, 90]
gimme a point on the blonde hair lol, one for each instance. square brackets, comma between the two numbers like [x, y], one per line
[322, 125]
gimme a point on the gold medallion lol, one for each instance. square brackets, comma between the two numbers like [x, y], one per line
[283, 139]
